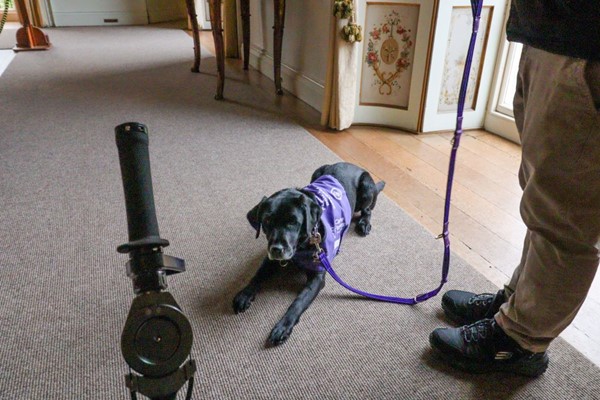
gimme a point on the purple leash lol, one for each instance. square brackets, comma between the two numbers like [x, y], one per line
[476, 6]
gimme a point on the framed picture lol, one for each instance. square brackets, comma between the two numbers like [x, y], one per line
[390, 32]
[452, 36]
[393, 62]
[456, 53]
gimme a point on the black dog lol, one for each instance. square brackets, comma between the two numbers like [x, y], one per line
[290, 217]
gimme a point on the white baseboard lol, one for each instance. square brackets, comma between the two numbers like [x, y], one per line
[105, 18]
[301, 86]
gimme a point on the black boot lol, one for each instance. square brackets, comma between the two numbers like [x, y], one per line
[484, 347]
[466, 307]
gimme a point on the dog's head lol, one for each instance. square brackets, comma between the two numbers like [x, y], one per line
[287, 218]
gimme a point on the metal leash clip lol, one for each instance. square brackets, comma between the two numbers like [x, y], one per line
[315, 240]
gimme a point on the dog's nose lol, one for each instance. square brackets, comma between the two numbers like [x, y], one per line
[276, 251]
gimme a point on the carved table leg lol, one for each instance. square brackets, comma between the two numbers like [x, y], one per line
[217, 31]
[191, 9]
[245, 11]
[279, 6]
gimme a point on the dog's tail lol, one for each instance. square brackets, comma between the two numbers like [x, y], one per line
[380, 185]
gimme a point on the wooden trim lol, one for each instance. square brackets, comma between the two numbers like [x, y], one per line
[32, 8]
[35, 12]
[230, 26]
[432, 31]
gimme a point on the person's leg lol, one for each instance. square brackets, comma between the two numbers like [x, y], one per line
[511, 285]
[560, 175]
[519, 113]
[556, 111]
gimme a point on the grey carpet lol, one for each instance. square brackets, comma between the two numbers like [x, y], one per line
[64, 294]
[8, 38]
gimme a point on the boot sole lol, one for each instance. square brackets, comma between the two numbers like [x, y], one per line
[529, 370]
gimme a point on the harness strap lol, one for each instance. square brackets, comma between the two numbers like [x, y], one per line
[476, 6]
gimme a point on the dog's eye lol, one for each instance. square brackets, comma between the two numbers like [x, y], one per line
[266, 221]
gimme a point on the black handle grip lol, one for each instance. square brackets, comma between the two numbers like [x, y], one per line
[132, 143]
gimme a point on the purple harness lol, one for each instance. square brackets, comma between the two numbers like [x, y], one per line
[335, 219]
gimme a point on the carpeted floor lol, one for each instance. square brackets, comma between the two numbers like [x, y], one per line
[8, 38]
[64, 292]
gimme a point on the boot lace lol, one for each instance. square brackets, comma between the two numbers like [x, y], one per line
[478, 331]
[481, 300]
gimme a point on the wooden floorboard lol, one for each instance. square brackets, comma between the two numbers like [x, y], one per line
[416, 175]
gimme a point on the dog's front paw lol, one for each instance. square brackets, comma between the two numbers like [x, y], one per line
[242, 301]
[280, 333]
[363, 227]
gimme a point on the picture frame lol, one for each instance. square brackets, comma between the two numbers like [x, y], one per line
[393, 61]
[452, 36]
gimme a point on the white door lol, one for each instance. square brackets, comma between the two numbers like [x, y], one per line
[393, 62]
[203, 12]
[499, 117]
[412, 63]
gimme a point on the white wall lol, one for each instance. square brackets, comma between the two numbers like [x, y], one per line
[305, 46]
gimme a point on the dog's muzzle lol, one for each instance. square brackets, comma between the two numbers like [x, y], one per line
[279, 252]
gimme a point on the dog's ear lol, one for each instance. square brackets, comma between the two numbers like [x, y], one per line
[312, 213]
[255, 215]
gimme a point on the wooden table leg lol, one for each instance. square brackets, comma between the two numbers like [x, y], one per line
[245, 11]
[279, 6]
[217, 31]
[191, 9]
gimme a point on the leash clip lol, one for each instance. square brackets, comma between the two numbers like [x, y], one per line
[315, 239]
[442, 235]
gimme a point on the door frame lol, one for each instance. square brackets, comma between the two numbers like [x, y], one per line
[499, 120]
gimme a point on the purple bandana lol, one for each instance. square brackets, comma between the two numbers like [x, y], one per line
[336, 217]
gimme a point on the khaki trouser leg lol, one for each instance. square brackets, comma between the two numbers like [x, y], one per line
[556, 111]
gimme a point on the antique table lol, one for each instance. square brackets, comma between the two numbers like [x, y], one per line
[217, 32]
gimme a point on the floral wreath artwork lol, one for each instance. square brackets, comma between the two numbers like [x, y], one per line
[389, 43]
